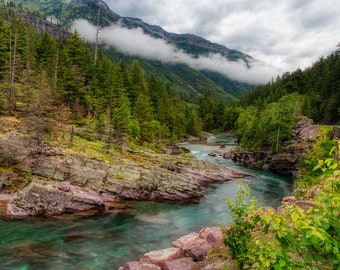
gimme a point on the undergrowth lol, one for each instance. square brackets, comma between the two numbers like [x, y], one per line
[291, 237]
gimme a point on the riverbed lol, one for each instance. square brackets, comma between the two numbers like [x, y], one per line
[107, 241]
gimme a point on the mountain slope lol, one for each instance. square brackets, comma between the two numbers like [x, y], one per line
[65, 12]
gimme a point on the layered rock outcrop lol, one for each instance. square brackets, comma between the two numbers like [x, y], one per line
[52, 180]
[285, 162]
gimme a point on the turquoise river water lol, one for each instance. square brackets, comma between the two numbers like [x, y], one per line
[107, 241]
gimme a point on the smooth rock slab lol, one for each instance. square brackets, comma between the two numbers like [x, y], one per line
[160, 257]
[185, 240]
[42, 198]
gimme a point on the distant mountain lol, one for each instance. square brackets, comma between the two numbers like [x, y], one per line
[187, 81]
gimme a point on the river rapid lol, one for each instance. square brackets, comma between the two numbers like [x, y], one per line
[107, 241]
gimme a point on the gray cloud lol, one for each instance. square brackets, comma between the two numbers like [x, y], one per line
[287, 34]
[135, 42]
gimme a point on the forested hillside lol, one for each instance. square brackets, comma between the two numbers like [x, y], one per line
[186, 81]
[319, 85]
[42, 77]
[264, 117]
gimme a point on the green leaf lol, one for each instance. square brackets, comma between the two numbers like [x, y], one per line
[272, 255]
[277, 267]
[337, 187]
[334, 166]
[282, 263]
[331, 152]
[328, 247]
[308, 258]
[266, 228]
[255, 265]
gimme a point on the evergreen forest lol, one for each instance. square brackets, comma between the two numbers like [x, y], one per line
[263, 118]
[69, 81]
[74, 83]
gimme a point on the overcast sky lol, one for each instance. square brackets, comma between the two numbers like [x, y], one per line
[286, 34]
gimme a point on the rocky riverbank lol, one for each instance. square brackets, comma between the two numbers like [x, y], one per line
[287, 160]
[189, 252]
[205, 250]
[44, 179]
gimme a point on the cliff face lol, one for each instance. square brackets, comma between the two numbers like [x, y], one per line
[41, 25]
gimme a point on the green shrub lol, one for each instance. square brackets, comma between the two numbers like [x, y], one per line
[294, 237]
[237, 239]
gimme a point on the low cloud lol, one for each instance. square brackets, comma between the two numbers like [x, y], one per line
[134, 42]
[287, 34]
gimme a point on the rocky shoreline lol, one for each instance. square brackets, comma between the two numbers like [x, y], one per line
[195, 251]
[45, 180]
[287, 160]
[186, 253]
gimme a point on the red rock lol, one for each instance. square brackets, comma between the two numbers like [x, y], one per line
[139, 266]
[305, 204]
[147, 266]
[64, 186]
[211, 234]
[132, 266]
[160, 257]
[185, 240]
[4, 199]
[289, 199]
[180, 264]
[197, 245]
[197, 249]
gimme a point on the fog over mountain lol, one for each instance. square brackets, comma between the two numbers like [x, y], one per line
[287, 34]
[134, 42]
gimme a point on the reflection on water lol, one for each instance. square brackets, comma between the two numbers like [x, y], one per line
[109, 241]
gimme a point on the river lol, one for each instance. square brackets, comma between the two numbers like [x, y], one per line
[107, 241]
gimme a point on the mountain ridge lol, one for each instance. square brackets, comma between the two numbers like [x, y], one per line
[180, 40]
[65, 12]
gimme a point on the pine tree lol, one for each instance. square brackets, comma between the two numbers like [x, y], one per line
[143, 112]
[138, 82]
[306, 106]
[4, 49]
[45, 51]
[17, 60]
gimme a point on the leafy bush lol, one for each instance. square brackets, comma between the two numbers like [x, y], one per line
[307, 176]
[294, 237]
[237, 239]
